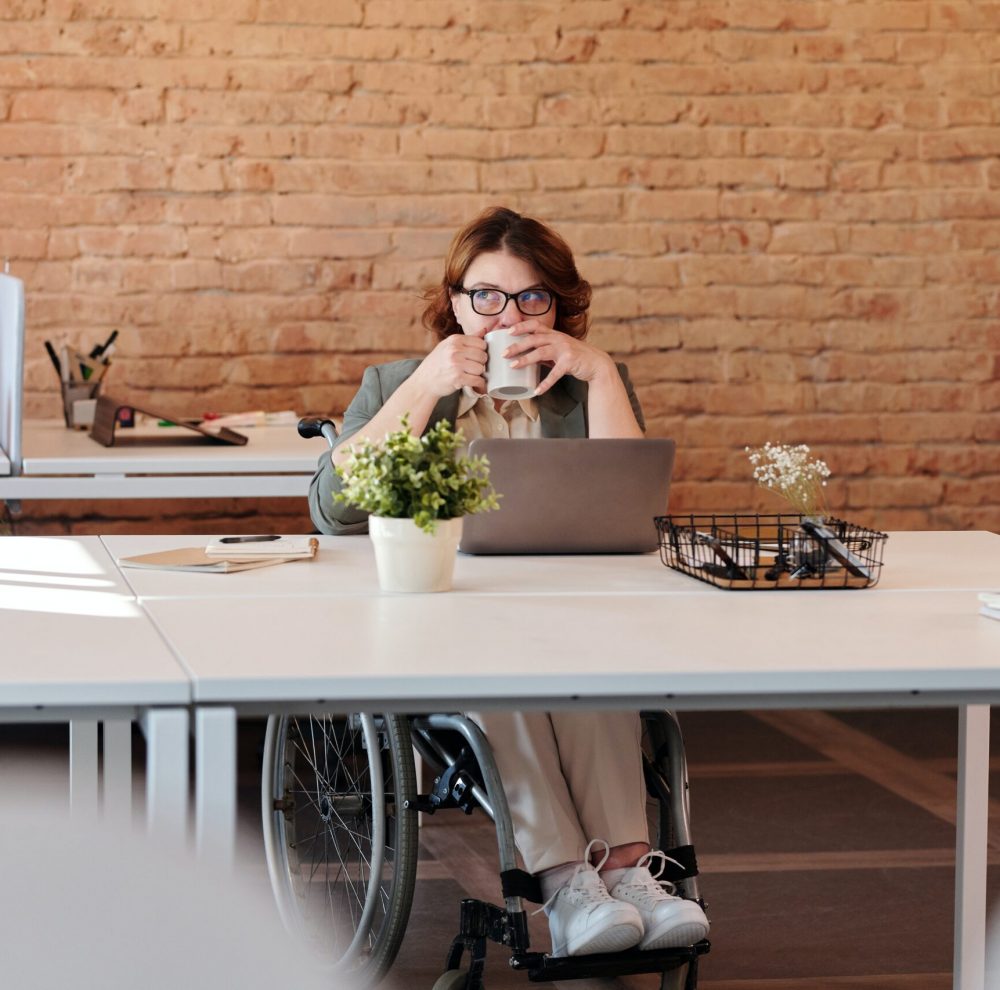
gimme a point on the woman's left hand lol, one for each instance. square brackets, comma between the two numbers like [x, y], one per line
[558, 351]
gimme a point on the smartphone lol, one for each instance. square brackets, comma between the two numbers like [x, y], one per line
[248, 539]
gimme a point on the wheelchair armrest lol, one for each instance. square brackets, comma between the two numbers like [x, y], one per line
[310, 427]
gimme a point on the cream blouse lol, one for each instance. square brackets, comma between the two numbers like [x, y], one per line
[517, 419]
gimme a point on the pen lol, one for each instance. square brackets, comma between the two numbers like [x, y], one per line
[99, 349]
[53, 358]
[249, 539]
[66, 370]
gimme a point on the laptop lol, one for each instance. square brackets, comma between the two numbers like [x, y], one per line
[571, 496]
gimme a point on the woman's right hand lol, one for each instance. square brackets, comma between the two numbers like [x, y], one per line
[457, 361]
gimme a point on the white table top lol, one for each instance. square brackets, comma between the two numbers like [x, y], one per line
[51, 449]
[521, 628]
[346, 566]
[469, 649]
[56, 591]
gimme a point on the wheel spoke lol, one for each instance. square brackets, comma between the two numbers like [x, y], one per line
[327, 830]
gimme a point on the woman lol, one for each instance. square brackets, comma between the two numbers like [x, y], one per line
[573, 780]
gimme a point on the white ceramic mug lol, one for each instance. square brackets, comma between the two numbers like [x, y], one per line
[503, 381]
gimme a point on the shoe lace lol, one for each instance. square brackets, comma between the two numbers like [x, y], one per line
[651, 884]
[663, 858]
[580, 878]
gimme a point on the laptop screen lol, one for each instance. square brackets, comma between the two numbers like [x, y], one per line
[572, 496]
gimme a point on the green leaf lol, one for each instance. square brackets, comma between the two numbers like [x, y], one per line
[421, 478]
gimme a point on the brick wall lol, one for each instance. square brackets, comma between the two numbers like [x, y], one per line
[788, 209]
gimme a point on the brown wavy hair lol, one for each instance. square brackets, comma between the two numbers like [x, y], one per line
[500, 229]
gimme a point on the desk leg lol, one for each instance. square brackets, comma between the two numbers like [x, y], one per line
[215, 784]
[83, 767]
[118, 771]
[166, 731]
[970, 851]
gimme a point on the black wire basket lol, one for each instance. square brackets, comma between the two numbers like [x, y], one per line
[787, 552]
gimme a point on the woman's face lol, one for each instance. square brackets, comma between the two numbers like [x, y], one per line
[498, 270]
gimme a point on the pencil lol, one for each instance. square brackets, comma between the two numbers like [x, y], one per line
[53, 357]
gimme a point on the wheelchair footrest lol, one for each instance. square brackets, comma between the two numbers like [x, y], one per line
[543, 968]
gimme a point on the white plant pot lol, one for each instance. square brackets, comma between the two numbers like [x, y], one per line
[408, 559]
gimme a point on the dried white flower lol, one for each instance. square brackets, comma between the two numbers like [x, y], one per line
[792, 473]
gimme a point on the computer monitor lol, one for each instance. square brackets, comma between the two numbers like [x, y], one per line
[11, 368]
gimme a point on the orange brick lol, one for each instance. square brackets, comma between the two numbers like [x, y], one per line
[977, 234]
[360, 243]
[971, 80]
[767, 204]
[786, 143]
[805, 175]
[230, 211]
[100, 174]
[679, 142]
[965, 112]
[425, 242]
[857, 176]
[197, 175]
[64, 106]
[672, 205]
[148, 38]
[322, 210]
[394, 274]
[890, 15]
[960, 203]
[410, 211]
[964, 15]
[339, 12]
[417, 13]
[918, 175]
[584, 204]
[880, 145]
[22, 10]
[897, 205]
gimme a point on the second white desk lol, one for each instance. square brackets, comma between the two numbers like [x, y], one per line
[168, 463]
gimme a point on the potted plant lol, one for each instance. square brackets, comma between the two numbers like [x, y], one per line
[416, 491]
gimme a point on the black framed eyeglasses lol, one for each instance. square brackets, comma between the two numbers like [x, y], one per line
[492, 302]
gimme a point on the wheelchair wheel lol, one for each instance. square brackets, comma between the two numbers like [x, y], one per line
[341, 845]
[452, 979]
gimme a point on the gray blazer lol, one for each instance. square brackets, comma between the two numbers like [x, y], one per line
[562, 412]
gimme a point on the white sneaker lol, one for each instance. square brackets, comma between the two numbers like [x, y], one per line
[584, 918]
[669, 922]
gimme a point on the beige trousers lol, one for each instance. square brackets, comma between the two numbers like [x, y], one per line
[569, 777]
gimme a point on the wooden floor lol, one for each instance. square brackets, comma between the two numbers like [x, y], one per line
[826, 844]
[825, 839]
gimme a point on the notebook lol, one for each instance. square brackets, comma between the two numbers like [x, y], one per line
[572, 496]
[198, 560]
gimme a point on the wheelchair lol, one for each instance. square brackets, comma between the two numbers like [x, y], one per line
[340, 805]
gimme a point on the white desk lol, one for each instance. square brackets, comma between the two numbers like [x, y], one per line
[593, 632]
[76, 647]
[346, 566]
[67, 464]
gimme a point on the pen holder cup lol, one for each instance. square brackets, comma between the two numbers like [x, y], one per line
[79, 401]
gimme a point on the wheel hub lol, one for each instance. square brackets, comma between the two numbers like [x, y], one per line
[338, 807]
